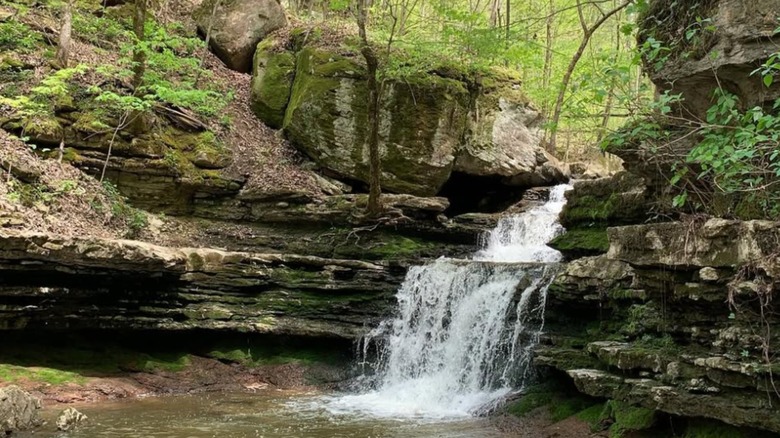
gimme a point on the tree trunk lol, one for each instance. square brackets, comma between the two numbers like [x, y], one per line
[372, 63]
[63, 49]
[612, 85]
[587, 34]
[495, 7]
[139, 62]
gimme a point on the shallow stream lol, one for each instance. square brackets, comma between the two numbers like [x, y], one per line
[268, 414]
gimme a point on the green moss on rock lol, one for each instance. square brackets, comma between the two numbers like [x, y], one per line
[561, 402]
[421, 123]
[272, 81]
[582, 242]
[628, 418]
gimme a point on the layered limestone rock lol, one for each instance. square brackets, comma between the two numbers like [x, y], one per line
[166, 169]
[431, 124]
[55, 283]
[235, 27]
[668, 319]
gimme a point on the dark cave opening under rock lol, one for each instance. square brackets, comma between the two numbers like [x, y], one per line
[480, 194]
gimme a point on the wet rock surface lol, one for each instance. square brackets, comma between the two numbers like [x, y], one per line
[69, 419]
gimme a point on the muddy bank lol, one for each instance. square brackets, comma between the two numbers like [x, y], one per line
[97, 366]
[201, 375]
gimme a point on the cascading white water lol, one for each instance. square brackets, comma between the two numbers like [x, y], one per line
[465, 328]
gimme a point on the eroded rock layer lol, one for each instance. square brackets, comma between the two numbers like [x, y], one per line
[55, 283]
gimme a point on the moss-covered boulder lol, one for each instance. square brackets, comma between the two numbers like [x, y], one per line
[273, 72]
[422, 122]
[236, 26]
[432, 123]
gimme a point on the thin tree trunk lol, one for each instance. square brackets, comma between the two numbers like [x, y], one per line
[208, 39]
[63, 49]
[587, 34]
[139, 61]
[375, 188]
[62, 149]
[548, 52]
[508, 19]
[612, 84]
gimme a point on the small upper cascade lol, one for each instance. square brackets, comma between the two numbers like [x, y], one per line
[523, 237]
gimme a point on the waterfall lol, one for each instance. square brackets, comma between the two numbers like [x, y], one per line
[463, 334]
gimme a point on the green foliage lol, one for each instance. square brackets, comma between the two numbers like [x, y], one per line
[172, 70]
[470, 36]
[15, 36]
[14, 373]
[173, 76]
[735, 158]
[37, 109]
[102, 31]
[683, 29]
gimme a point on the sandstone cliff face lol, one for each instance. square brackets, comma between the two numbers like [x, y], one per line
[431, 124]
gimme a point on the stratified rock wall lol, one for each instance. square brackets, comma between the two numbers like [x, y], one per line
[55, 283]
[676, 317]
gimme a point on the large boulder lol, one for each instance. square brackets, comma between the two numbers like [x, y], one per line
[421, 122]
[237, 27]
[432, 124]
[18, 410]
[505, 132]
